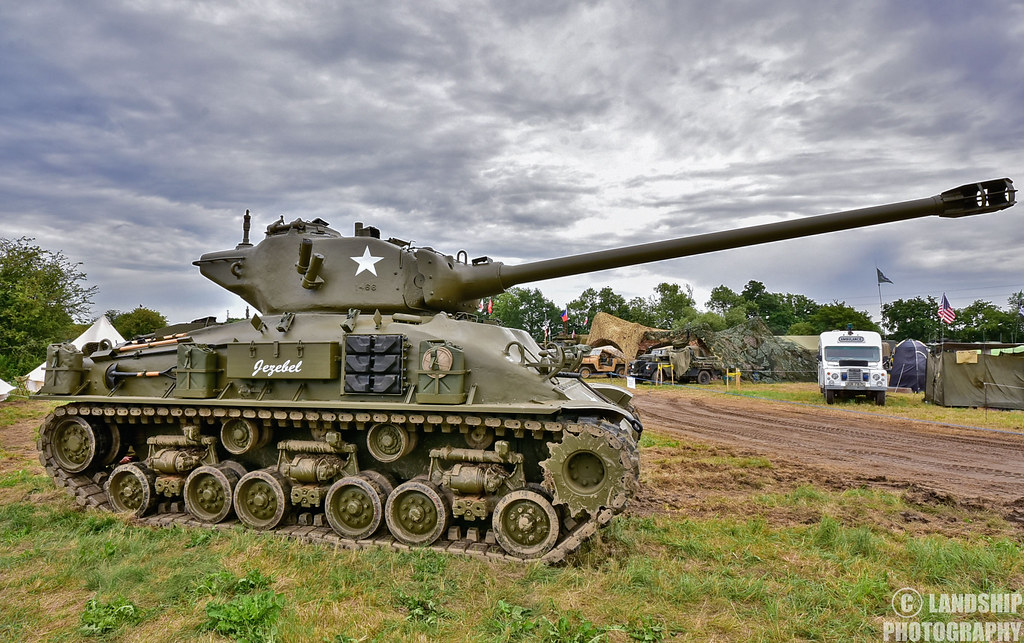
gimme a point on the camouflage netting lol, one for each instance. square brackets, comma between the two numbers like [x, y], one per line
[750, 347]
[758, 354]
[609, 330]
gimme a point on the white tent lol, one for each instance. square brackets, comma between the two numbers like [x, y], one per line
[100, 330]
[5, 389]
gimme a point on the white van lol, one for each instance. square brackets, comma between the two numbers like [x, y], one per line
[850, 363]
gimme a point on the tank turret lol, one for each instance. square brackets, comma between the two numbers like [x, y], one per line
[305, 266]
[358, 411]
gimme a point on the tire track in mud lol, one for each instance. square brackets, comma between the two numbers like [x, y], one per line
[957, 461]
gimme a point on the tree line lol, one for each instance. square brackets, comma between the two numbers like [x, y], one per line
[44, 298]
[671, 306]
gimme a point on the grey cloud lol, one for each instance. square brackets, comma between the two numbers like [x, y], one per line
[518, 130]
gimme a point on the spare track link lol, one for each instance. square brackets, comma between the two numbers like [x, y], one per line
[87, 490]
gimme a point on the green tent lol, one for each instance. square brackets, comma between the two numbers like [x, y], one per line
[975, 378]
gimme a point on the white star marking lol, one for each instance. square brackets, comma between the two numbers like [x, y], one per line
[366, 262]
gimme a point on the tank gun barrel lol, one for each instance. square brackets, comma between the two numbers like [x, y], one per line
[365, 272]
[966, 200]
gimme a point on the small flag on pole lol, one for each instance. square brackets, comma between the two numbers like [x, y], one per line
[586, 319]
[565, 315]
[946, 312]
[490, 306]
[882, 279]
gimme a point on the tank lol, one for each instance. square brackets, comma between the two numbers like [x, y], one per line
[366, 405]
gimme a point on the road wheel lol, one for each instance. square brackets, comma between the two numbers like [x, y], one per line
[355, 507]
[704, 377]
[620, 371]
[830, 396]
[130, 489]
[210, 491]
[585, 372]
[417, 513]
[880, 398]
[263, 498]
[525, 524]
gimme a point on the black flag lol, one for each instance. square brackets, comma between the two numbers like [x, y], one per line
[882, 279]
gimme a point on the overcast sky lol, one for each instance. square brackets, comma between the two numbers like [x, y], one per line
[134, 135]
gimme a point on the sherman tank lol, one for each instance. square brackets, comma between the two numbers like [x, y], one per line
[366, 404]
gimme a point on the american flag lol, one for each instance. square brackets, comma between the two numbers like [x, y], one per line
[946, 312]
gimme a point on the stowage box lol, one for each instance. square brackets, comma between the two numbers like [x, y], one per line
[196, 375]
[64, 369]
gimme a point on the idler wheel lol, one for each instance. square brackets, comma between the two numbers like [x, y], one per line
[130, 489]
[243, 435]
[77, 445]
[525, 524]
[209, 491]
[262, 498]
[389, 442]
[355, 507]
[417, 513]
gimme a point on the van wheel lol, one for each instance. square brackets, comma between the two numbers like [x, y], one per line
[830, 396]
[703, 377]
[585, 372]
[880, 398]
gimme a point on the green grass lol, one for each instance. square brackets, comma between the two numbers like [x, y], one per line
[67, 572]
[796, 562]
[15, 409]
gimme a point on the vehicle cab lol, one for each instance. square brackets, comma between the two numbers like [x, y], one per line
[850, 364]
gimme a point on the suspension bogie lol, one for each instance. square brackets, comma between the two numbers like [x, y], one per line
[414, 479]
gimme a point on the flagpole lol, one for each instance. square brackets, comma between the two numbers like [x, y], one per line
[879, 277]
[943, 308]
[881, 316]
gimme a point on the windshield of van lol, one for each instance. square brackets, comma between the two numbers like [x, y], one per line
[866, 353]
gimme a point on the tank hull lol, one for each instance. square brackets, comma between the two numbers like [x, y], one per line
[382, 432]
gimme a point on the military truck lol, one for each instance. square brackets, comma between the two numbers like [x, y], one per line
[603, 360]
[676, 364]
[850, 363]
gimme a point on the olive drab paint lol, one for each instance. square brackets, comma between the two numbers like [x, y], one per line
[282, 360]
[367, 406]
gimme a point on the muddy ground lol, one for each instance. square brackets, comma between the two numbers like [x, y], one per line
[790, 445]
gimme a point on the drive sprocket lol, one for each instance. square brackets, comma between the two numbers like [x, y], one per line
[593, 467]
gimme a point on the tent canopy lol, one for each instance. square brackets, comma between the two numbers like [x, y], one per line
[101, 329]
[972, 378]
[5, 390]
[909, 365]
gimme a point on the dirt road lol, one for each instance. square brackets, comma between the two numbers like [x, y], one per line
[967, 464]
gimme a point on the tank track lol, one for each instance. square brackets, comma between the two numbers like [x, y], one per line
[87, 487]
